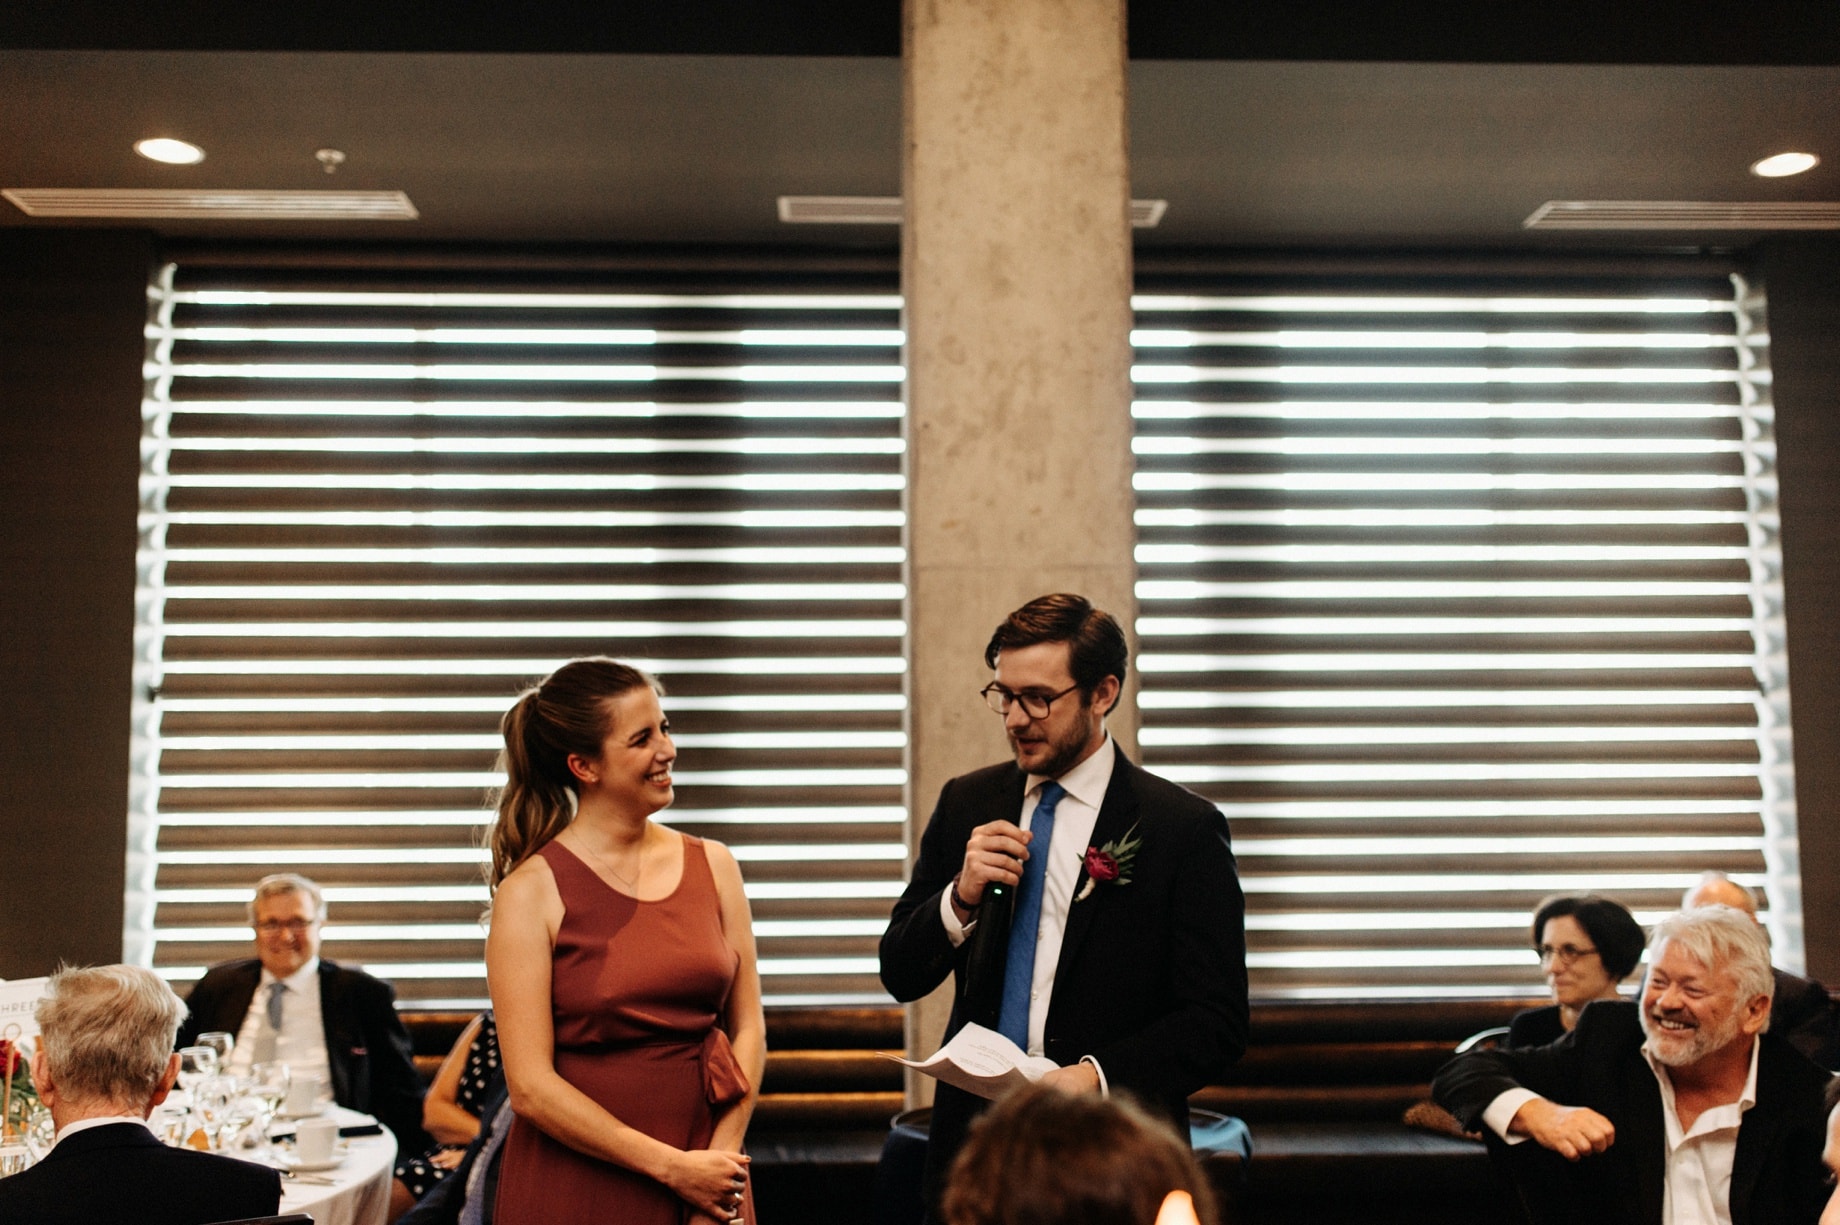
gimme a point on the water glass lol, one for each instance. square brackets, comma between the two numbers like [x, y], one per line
[14, 1158]
[196, 1063]
[221, 1042]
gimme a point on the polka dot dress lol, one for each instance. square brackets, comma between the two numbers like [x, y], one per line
[420, 1174]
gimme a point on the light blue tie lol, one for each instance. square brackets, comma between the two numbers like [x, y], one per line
[268, 1037]
[1019, 968]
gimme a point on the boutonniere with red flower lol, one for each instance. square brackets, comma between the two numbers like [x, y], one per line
[1111, 864]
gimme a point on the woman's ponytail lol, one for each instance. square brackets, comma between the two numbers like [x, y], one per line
[565, 715]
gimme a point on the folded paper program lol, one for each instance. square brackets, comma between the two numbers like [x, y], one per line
[982, 1061]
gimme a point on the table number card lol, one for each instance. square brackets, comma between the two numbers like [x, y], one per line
[16, 1002]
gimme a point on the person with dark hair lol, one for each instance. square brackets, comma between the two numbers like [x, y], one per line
[1587, 945]
[104, 1061]
[1041, 1157]
[325, 1020]
[622, 970]
[1086, 909]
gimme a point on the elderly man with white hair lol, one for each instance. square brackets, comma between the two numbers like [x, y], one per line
[104, 1061]
[1801, 1012]
[1677, 1110]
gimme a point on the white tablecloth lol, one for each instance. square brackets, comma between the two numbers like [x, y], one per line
[360, 1190]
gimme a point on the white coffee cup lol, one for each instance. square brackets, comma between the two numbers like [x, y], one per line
[315, 1139]
[303, 1096]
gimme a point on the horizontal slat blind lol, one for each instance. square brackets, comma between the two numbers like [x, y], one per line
[377, 506]
[1454, 594]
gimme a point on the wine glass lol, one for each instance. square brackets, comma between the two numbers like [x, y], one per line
[268, 1083]
[211, 1098]
[196, 1063]
[221, 1042]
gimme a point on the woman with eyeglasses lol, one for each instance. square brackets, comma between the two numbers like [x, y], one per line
[1587, 945]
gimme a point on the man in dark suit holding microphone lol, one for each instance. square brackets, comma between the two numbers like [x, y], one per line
[1089, 910]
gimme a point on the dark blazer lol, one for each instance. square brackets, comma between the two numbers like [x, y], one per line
[1151, 980]
[119, 1174]
[1777, 1176]
[372, 1062]
[1805, 1016]
[1535, 1027]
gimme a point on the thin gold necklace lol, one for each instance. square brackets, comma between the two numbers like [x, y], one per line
[632, 884]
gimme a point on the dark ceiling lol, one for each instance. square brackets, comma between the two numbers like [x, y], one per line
[1303, 124]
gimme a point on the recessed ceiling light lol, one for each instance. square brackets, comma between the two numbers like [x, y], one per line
[1784, 164]
[172, 152]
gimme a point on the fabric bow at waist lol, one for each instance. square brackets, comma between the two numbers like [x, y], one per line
[724, 1083]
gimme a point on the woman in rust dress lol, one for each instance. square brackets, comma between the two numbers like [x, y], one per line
[622, 971]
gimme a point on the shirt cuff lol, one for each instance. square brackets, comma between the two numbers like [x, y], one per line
[1502, 1110]
[956, 932]
[1105, 1090]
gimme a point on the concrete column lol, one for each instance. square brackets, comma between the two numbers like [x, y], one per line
[1016, 267]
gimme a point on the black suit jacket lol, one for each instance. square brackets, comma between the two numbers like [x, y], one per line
[372, 1061]
[1151, 980]
[1777, 1177]
[119, 1174]
[1804, 1015]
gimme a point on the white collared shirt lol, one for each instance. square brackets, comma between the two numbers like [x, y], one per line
[1696, 1187]
[302, 1041]
[1074, 819]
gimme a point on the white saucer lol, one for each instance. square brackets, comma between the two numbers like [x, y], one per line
[286, 1156]
[313, 1167]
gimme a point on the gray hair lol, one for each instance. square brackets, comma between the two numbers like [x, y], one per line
[1721, 937]
[287, 882]
[107, 1032]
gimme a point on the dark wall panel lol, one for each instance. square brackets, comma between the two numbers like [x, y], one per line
[72, 309]
[1802, 278]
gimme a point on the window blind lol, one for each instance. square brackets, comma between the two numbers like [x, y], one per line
[377, 503]
[1458, 592]
[1454, 592]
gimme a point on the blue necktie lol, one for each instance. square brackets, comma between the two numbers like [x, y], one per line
[268, 1037]
[1019, 968]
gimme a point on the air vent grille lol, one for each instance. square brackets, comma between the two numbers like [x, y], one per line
[212, 205]
[1685, 215]
[886, 210]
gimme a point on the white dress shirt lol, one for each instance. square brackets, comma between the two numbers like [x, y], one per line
[1696, 1188]
[301, 1043]
[1074, 818]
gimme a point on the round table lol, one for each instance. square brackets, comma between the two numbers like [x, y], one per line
[357, 1192]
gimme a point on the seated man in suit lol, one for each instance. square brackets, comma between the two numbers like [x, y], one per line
[1802, 1012]
[322, 1019]
[104, 1061]
[1677, 1110]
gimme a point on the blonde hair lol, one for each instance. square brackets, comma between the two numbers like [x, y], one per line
[107, 1032]
[565, 715]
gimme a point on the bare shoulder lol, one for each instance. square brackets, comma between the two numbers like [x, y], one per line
[722, 863]
[529, 891]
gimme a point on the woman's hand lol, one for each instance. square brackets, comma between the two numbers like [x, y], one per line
[711, 1181]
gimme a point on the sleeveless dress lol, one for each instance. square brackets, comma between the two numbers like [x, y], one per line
[635, 992]
[477, 1076]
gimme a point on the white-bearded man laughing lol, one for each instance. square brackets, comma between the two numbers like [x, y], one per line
[1678, 1110]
